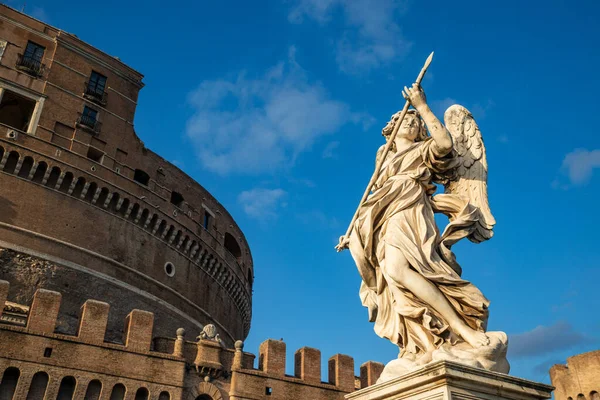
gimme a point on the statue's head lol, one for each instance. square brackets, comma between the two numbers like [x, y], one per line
[412, 127]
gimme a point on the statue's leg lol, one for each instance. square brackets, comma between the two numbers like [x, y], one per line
[398, 269]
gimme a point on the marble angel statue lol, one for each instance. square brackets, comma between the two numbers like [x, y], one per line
[411, 282]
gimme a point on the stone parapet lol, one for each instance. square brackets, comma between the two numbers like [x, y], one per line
[444, 380]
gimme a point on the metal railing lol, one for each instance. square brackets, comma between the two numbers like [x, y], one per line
[94, 94]
[30, 65]
[89, 123]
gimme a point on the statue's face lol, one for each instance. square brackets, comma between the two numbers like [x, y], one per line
[410, 127]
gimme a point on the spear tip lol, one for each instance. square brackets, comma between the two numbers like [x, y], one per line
[428, 61]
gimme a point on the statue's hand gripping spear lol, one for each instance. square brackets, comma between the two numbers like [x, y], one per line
[344, 240]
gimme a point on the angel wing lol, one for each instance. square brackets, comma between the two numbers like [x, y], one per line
[470, 180]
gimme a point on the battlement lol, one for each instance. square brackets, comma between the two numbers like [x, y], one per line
[578, 378]
[43, 316]
[307, 368]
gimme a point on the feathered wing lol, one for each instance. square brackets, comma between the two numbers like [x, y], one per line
[470, 180]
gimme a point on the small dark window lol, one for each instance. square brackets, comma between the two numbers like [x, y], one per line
[89, 119]
[141, 177]
[47, 352]
[95, 155]
[96, 84]
[206, 222]
[177, 199]
[16, 110]
[268, 391]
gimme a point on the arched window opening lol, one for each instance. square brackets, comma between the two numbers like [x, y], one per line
[232, 246]
[153, 222]
[89, 196]
[66, 389]
[9, 383]
[142, 394]
[1, 152]
[11, 162]
[134, 211]
[112, 206]
[164, 396]
[78, 187]
[26, 167]
[141, 177]
[93, 390]
[169, 232]
[66, 183]
[177, 199]
[161, 228]
[204, 397]
[250, 277]
[53, 178]
[103, 196]
[38, 386]
[38, 176]
[118, 392]
[580, 396]
[144, 217]
[594, 395]
[177, 238]
[124, 206]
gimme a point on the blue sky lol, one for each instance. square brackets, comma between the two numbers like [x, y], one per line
[276, 107]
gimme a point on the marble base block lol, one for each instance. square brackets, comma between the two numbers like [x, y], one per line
[446, 380]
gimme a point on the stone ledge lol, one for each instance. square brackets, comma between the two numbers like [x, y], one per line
[448, 380]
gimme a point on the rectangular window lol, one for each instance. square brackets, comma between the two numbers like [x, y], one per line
[34, 52]
[89, 119]
[16, 110]
[95, 89]
[31, 59]
[97, 83]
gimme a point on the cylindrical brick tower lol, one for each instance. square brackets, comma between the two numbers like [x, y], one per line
[89, 211]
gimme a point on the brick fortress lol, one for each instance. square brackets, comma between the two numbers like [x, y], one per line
[106, 249]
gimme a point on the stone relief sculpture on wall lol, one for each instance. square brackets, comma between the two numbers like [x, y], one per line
[411, 281]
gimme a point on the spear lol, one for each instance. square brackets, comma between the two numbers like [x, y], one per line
[386, 149]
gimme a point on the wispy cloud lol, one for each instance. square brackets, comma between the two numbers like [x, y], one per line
[579, 165]
[544, 340]
[371, 36]
[329, 151]
[262, 203]
[257, 125]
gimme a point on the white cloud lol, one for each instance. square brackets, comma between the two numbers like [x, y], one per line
[579, 165]
[371, 36]
[262, 203]
[259, 125]
[544, 340]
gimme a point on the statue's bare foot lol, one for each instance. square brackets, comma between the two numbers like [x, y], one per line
[475, 338]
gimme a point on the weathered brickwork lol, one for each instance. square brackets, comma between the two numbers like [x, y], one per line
[35, 360]
[78, 187]
[579, 379]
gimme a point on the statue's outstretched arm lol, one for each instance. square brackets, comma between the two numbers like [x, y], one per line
[441, 137]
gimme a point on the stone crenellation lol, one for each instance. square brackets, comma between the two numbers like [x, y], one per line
[179, 368]
[578, 379]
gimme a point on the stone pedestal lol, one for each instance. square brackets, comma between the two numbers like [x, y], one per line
[445, 380]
